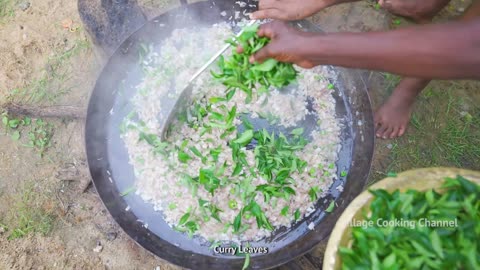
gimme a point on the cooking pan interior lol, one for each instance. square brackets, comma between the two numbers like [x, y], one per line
[112, 174]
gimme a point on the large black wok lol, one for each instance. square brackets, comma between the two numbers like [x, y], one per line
[112, 174]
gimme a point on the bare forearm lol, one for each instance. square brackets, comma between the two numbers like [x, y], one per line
[335, 2]
[329, 3]
[288, 10]
[448, 51]
[413, 86]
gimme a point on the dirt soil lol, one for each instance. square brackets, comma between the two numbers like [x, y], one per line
[50, 217]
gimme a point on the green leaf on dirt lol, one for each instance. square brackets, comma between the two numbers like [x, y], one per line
[16, 135]
[391, 174]
[5, 120]
[27, 121]
[13, 123]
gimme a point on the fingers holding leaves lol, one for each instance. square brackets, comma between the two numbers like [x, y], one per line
[242, 71]
[276, 32]
[271, 30]
[260, 56]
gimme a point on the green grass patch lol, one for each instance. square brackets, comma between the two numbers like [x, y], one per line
[53, 81]
[444, 131]
[31, 213]
[33, 133]
[7, 9]
[391, 81]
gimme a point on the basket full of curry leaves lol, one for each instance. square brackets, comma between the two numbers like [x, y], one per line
[419, 247]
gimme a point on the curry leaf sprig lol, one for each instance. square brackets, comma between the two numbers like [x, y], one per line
[221, 118]
[208, 210]
[252, 209]
[275, 161]
[188, 224]
[237, 72]
[275, 155]
[209, 180]
[417, 245]
[154, 140]
[275, 158]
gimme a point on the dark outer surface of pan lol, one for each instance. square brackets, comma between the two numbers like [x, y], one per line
[111, 173]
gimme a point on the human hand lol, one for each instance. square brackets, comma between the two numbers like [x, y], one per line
[287, 44]
[288, 10]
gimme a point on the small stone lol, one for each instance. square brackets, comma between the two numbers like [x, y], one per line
[111, 236]
[24, 5]
[460, 9]
[2, 230]
[98, 248]
[389, 146]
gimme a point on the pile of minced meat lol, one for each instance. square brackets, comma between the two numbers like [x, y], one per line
[168, 172]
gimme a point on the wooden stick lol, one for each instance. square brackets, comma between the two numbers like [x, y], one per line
[46, 111]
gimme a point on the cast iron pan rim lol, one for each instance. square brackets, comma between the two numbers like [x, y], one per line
[282, 255]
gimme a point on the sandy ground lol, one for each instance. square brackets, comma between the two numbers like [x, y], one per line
[38, 54]
[29, 40]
